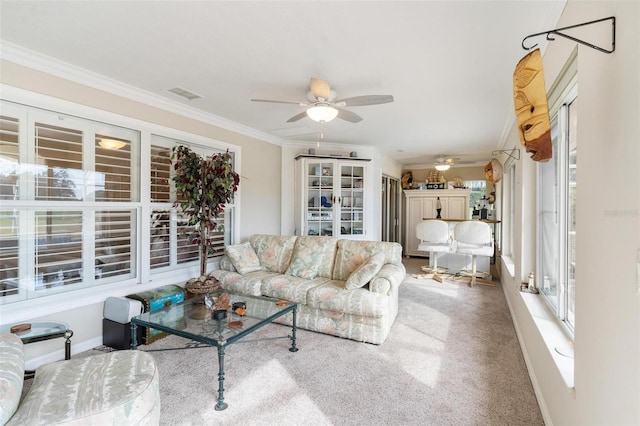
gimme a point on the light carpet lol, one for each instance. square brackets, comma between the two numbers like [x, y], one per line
[452, 358]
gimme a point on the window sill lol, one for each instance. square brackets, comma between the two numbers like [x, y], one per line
[558, 343]
[508, 263]
[28, 310]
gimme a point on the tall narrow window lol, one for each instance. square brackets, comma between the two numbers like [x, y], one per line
[9, 218]
[557, 183]
[508, 215]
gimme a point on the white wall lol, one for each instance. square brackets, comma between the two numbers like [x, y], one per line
[607, 336]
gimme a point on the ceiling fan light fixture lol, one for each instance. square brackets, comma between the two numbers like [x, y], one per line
[322, 113]
[442, 167]
[111, 143]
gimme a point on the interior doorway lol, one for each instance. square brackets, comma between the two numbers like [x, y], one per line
[391, 193]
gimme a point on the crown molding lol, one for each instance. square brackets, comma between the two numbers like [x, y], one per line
[39, 62]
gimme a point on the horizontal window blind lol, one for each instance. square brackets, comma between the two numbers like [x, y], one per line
[9, 253]
[160, 248]
[58, 254]
[160, 174]
[114, 236]
[9, 158]
[113, 169]
[187, 251]
[58, 163]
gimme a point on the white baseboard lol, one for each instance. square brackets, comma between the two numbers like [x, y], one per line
[58, 355]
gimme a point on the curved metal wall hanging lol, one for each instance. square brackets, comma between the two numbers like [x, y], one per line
[549, 34]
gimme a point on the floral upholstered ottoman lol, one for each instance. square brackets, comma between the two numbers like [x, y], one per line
[117, 388]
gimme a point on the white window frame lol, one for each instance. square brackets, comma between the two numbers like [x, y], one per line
[509, 215]
[563, 93]
[16, 309]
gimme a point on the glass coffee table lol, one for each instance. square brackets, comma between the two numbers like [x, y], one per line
[195, 322]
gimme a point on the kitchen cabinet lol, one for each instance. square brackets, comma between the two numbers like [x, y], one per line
[421, 204]
[331, 196]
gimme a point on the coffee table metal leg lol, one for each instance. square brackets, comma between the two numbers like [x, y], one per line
[293, 330]
[134, 336]
[67, 344]
[221, 405]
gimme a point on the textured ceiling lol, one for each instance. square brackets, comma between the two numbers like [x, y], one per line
[448, 64]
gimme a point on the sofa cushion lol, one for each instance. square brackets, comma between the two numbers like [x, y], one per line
[351, 254]
[114, 388]
[289, 287]
[11, 375]
[274, 251]
[365, 272]
[313, 256]
[332, 296]
[244, 258]
[243, 284]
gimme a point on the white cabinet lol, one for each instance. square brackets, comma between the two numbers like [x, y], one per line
[331, 197]
[421, 204]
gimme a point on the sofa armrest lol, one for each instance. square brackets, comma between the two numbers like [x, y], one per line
[11, 375]
[389, 277]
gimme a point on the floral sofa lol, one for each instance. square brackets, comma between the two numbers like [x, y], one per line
[116, 388]
[345, 288]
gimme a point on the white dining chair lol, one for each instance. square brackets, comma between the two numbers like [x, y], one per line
[434, 239]
[473, 237]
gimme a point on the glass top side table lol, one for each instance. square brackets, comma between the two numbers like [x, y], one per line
[43, 330]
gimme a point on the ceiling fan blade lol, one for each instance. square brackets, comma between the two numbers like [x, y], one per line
[348, 116]
[319, 88]
[279, 102]
[365, 100]
[297, 117]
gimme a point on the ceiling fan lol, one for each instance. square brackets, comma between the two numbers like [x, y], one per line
[323, 105]
[444, 163]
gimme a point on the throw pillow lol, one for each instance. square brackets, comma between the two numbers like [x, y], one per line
[309, 255]
[365, 272]
[244, 258]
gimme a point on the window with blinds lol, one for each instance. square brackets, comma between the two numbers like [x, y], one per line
[71, 202]
[9, 247]
[9, 158]
[59, 169]
[113, 169]
[160, 174]
[187, 250]
[114, 243]
[58, 248]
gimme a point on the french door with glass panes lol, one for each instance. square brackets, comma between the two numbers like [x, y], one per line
[332, 197]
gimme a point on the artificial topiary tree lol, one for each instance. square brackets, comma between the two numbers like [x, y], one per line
[203, 186]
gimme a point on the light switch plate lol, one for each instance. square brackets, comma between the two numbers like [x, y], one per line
[638, 273]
